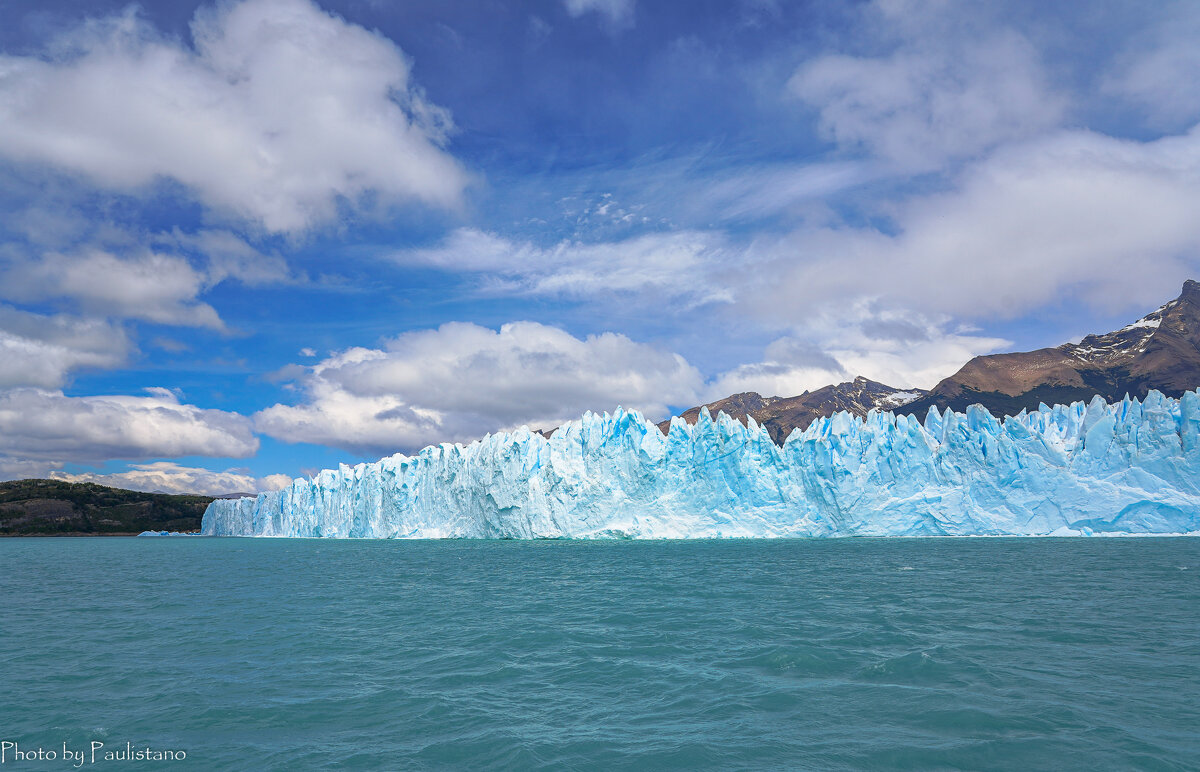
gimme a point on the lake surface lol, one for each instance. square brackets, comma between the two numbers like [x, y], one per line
[246, 654]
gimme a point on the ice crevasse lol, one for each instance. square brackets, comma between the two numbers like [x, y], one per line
[1130, 467]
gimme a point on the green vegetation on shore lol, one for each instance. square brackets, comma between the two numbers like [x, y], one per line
[56, 508]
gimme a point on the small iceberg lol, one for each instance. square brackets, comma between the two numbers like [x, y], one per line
[167, 533]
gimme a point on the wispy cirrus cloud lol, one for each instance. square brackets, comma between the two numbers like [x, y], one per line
[675, 264]
[618, 13]
[943, 85]
[1159, 68]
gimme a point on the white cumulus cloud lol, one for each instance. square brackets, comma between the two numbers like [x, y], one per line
[40, 350]
[460, 381]
[25, 468]
[170, 477]
[145, 285]
[49, 425]
[278, 113]
[1077, 214]
[899, 348]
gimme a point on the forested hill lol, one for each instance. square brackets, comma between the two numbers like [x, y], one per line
[56, 508]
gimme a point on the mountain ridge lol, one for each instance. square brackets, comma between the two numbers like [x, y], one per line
[1159, 351]
[781, 415]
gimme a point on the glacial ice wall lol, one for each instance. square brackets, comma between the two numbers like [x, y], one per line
[1127, 467]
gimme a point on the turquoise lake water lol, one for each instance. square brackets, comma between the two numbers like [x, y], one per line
[841, 654]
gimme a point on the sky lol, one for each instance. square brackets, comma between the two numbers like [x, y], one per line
[243, 241]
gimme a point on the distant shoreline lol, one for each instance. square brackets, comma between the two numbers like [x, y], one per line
[72, 534]
[40, 507]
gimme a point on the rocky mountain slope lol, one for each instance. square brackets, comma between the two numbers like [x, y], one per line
[780, 415]
[1159, 351]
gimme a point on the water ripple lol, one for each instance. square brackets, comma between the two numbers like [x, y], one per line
[854, 654]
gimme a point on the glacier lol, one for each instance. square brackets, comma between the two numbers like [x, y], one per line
[1130, 467]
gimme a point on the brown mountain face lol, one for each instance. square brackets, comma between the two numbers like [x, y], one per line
[780, 415]
[1159, 351]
